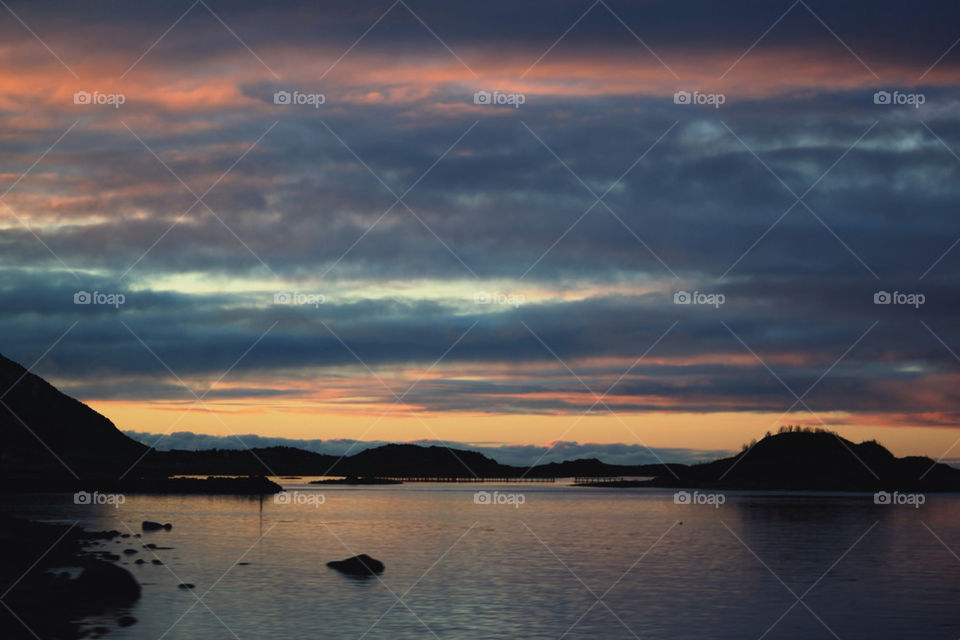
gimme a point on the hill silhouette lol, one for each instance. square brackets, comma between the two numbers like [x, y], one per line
[819, 461]
[46, 435]
[51, 441]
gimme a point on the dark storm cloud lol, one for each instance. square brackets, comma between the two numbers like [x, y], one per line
[918, 31]
[702, 210]
[699, 200]
[800, 332]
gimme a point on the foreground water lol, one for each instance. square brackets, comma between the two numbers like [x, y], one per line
[536, 561]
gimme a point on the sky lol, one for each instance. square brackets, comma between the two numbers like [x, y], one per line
[664, 225]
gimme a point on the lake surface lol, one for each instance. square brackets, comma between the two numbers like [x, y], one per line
[532, 561]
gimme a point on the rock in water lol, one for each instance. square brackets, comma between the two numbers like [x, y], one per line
[150, 525]
[361, 565]
[126, 621]
[107, 583]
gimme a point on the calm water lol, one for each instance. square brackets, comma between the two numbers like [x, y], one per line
[458, 569]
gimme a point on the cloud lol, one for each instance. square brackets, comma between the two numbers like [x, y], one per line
[596, 201]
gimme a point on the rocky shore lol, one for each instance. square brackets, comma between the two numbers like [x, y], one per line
[51, 579]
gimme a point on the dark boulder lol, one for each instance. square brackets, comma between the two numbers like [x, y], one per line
[126, 621]
[361, 565]
[150, 525]
[106, 583]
